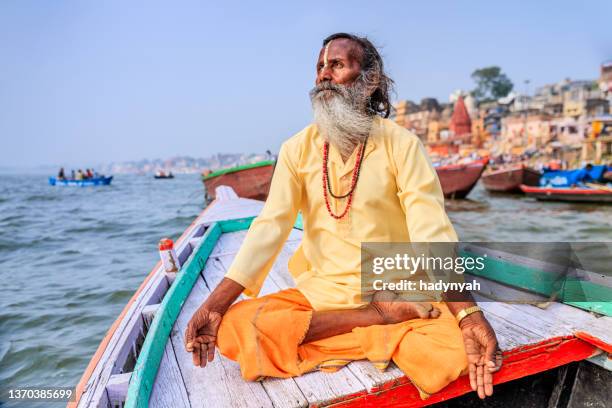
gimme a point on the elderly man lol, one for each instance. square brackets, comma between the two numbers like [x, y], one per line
[356, 177]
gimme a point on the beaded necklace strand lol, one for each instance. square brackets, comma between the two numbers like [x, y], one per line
[327, 184]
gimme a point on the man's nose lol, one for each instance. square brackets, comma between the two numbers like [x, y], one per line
[324, 75]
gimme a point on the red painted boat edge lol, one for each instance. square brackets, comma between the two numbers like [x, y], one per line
[594, 341]
[555, 190]
[520, 362]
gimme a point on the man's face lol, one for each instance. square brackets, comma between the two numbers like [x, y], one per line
[339, 62]
[340, 98]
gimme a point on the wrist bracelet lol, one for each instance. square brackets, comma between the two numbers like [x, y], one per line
[466, 312]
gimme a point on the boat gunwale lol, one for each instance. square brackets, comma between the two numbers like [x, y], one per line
[460, 166]
[563, 190]
[127, 312]
[96, 181]
[149, 359]
[491, 171]
[235, 169]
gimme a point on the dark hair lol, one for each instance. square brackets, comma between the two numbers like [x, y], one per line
[372, 73]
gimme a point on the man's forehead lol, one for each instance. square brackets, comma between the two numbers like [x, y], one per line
[343, 48]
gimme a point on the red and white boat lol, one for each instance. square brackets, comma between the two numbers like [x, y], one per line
[249, 180]
[508, 179]
[572, 194]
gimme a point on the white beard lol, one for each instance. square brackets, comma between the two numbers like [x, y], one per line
[338, 117]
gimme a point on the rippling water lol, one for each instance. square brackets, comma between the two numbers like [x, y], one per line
[488, 216]
[70, 257]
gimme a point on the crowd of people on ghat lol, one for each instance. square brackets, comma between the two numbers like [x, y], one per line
[78, 175]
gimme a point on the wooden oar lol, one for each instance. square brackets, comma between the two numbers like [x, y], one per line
[599, 187]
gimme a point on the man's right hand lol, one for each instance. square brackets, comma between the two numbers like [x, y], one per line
[201, 335]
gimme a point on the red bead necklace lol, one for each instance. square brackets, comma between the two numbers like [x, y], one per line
[327, 185]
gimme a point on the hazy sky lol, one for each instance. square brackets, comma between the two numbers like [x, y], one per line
[86, 82]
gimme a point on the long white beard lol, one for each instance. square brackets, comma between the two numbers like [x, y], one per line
[340, 116]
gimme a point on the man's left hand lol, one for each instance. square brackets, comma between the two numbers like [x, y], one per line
[483, 355]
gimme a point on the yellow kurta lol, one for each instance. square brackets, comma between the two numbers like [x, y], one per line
[398, 198]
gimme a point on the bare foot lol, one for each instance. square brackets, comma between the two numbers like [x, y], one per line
[394, 310]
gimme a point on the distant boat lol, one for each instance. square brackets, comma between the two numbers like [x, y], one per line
[97, 181]
[508, 179]
[163, 175]
[249, 180]
[571, 194]
[459, 179]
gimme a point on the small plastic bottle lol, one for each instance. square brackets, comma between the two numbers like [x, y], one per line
[168, 255]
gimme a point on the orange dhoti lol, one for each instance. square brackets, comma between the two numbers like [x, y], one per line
[263, 335]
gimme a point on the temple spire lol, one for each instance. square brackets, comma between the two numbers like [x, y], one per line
[460, 123]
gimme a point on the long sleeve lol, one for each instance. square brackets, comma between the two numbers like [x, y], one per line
[420, 194]
[270, 229]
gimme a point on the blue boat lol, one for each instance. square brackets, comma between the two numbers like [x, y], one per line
[98, 181]
[569, 178]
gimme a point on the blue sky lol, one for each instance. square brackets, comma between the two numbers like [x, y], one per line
[88, 82]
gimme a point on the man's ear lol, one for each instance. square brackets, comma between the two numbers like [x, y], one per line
[373, 80]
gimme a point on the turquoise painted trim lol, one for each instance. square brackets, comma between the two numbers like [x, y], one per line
[147, 365]
[240, 224]
[535, 280]
[145, 371]
[237, 224]
[299, 222]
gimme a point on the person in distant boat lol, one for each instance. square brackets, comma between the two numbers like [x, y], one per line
[356, 176]
[79, 175]
[554, 165]
[72, 174]
[607, 176]
[89, 173]
[61, 175]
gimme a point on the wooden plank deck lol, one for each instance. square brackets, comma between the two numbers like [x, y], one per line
[220, 384]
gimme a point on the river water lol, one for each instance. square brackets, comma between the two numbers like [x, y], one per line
[70, 258]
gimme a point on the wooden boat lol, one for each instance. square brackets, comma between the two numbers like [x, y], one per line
[571, 194]
[97, 181]
[459, 179]
[142, 362]
[509, 179]
[249, 181]
[163, 176]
